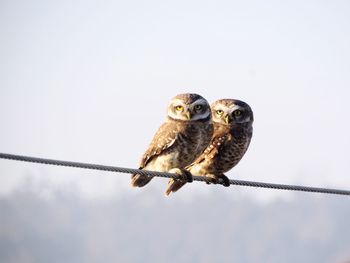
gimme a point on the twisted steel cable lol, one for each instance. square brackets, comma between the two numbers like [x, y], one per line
[170, 175]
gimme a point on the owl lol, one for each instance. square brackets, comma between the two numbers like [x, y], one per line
[233, 120]
[180, 140]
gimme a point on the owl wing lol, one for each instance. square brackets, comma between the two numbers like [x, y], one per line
[165, 137]
[213, 148]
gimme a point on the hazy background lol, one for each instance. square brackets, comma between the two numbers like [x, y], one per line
[90, 81]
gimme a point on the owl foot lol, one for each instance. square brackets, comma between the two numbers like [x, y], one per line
[215, 179]
[225, 180]
[183, 174]
[211, 179]
[176, 184]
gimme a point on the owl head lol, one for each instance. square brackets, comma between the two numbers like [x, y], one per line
[189, 107]
[231, 112]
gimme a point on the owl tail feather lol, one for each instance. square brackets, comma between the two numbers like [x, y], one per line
[173, 186]
[138, 180]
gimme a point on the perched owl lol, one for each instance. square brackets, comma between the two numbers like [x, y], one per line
[180, 140]
[233, 120]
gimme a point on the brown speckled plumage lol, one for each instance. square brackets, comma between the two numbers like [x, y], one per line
[225, 150]
[178, 142]
[229, 143]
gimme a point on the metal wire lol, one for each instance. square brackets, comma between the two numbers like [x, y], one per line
[170, 175]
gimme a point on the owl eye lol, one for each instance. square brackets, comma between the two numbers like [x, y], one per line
[179, 108]
[219, 112]
[237, 113]
[198, 107]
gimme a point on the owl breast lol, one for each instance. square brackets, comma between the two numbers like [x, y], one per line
[189, 144]
[231, 153]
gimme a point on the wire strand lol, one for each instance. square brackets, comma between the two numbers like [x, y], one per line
[170, 175]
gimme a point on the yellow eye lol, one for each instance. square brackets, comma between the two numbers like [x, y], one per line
[179, 108]
[219, 112]
[198, 107]
[237, 113]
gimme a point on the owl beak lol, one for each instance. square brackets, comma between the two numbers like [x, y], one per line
[227, 119]
[188, 115]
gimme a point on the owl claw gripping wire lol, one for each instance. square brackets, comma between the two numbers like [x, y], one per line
[176, 184]
[184, 175]
[214, 179]
[211, 179]
[226, 180]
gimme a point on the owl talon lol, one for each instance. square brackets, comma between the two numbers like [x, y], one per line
[184, 175]
[188, 175]
[175, 184]
[225, 180]
[211, 179]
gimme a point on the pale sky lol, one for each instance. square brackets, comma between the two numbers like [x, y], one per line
[90, 81]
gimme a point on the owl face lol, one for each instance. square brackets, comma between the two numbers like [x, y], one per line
[231, 112]
[189, 107]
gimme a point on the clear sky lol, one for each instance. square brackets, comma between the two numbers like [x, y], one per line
[90, 81]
